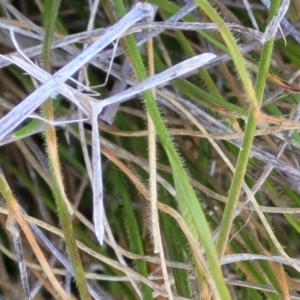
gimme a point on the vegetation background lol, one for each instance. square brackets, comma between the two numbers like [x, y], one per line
[201, 177]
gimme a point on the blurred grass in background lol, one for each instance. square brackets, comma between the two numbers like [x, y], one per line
[212, 142]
